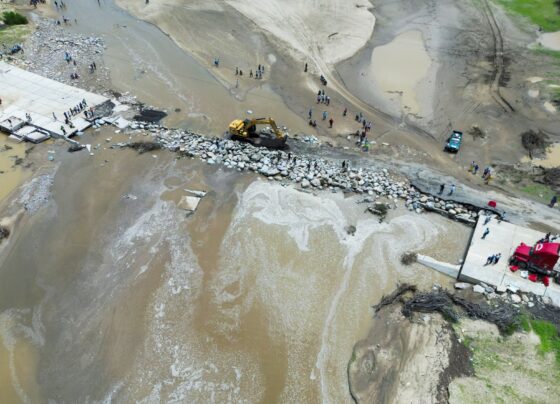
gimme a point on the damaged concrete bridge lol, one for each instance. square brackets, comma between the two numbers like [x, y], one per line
[32, 107]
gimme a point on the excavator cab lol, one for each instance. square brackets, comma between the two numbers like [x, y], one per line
[246, 130]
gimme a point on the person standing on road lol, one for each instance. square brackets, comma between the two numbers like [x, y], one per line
[490, 259]
[496, 258]
[451, 190]
[553, 201]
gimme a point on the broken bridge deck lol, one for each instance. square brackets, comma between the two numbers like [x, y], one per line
[23, 92]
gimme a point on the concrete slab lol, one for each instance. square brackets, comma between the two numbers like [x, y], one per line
[443, 267]
[503, 238]
[189, 203]
[25, 92]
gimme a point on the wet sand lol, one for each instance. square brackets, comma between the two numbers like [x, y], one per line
[399, 67]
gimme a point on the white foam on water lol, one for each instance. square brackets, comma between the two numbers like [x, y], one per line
[12, 329]
[301, 214]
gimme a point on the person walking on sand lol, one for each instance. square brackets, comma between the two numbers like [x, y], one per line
[451, 190]
[324, 115]
[553, 201]
[331, 121]
[345, 112]
[441, 189]
[310, 113]
[486, 232]
[305, 68]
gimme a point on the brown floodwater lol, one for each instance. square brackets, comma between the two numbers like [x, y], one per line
[111, 292]
[11, 173]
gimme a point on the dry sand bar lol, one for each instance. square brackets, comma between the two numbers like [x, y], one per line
[503, 238]
[23, 92]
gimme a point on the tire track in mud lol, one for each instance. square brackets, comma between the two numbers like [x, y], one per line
[498, 61]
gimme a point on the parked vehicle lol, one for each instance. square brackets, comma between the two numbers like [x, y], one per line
[454, 142]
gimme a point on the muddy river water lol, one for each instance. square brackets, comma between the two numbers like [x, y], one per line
[145, 61]
[109, 292]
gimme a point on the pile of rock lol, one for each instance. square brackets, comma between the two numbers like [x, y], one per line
[308, 171]
[509, 293]
[45, 55]
[454, 210]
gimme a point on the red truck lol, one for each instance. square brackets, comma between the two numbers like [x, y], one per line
[542, 259]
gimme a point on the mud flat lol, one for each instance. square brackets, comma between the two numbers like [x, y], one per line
[326, 30]
[399, 67]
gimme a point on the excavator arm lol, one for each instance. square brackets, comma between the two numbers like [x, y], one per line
[267, 121]
[246, 130]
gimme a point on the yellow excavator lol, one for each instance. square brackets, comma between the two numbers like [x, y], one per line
[246, 130]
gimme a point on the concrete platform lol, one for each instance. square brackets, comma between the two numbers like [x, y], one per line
[23, 92]
[503, 238]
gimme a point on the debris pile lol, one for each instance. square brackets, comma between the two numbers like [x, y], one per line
[510, 293]
[4, 233]
[504, 316]
[46, 53]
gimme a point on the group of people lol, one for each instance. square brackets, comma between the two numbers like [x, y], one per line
[238, 72]
[442, 189]
[35, 2]
[486, 174]
[493, 259]
[74, 75]
[548, 238]
[258, 73]
[60, 5]
[322, 98]
[74, 110]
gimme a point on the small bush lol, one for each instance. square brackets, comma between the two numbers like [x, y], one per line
[4, 232]
[144, 147]
[550, 342]
[13, 18]
[409, 258]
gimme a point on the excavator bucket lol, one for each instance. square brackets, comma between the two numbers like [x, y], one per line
[269, 142]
